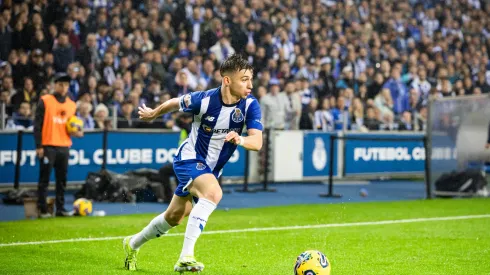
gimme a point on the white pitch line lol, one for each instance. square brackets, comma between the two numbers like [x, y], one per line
[281, 228]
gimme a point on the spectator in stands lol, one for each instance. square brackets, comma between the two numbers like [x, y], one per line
[274, 106]
[293, 105]
[397, 89]
[107, 69]
[182, 84]
[22, 119]
[259, 92]
[157, 68]
[307, 120]
[406, 123]
[421, 121]
[420, 83]
[340, 113]
[207, 73]
[384, 102]
[84, 110]
[28, 94]
[88, 55]
[413, 102]
[39, 41]
[103, 93]
[222, 49]
[84, 97]
[323, 117]
[101, 115]
[357, 114]
[482, 83]
[73, 71]
[37, 70]
[305, 92]
[371, 122]
[5, 100]
[347, 80]
[19, 68]
[127, 118]
[117, 100]
[63, 53]
[8, 85]
[388, 122]
[6, 38]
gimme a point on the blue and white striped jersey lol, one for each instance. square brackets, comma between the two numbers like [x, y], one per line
[213, 120]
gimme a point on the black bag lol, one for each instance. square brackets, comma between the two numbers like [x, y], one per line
[17, 196]
[93, 187]
[133, 186]
[465, 183]
[103, 186]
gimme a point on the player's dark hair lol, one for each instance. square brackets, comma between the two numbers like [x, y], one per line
[234, 63]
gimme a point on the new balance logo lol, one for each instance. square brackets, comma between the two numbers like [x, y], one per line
[209, 118]
[199, 219]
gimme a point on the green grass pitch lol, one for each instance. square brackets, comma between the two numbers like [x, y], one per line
[412, 247]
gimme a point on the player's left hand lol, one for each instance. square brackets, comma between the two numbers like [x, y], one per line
[487, 146]
[233, 137]
[77, 134]
[145, 113]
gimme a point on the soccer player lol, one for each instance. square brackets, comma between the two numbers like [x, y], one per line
[219, 117]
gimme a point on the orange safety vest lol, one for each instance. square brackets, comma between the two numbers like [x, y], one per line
[56, 115]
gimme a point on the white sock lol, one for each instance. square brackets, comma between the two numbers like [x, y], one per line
[197, 221]
[157, 227]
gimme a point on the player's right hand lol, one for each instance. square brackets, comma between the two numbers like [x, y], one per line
[145, 113]
[40, 152]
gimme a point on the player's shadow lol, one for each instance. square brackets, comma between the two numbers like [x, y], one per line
[141, 271]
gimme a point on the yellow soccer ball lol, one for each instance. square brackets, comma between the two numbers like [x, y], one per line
[312, 262]
[74, 124]
[82, 207]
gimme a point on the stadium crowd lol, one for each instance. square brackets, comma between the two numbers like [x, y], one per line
[327, 64]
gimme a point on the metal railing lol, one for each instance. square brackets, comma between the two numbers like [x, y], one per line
[113, 120]
[3, 115]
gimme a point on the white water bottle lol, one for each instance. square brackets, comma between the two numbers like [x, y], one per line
[99, 213]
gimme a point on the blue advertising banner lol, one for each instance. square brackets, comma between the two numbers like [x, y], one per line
[316, 155]
[85, 156]
[390, 157]
[444, 153]
[236, 165]
[125, 151]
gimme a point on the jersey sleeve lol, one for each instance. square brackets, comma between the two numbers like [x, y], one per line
[191, 103]
[254, 116]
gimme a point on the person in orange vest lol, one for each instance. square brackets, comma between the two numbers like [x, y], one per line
[53, 142]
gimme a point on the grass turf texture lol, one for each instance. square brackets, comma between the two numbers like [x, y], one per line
[431, 247]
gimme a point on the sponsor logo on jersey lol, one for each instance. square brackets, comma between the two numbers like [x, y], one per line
[208, 129]
[226, 131]
[209, 118]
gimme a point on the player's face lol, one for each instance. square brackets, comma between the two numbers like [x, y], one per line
[62, 87]
[241, 83]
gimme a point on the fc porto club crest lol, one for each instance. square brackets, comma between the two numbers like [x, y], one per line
[237, 115]
[200, 166]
